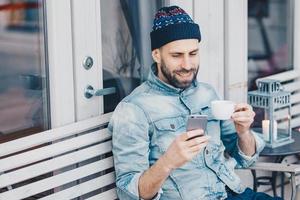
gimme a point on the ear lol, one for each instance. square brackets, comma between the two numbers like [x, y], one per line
[156, 56]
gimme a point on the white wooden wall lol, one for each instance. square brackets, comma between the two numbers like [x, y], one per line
[236, 50]
[188, 6]
[209, 14]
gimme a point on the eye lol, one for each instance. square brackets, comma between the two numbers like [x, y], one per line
[175, 55]
[193, 53]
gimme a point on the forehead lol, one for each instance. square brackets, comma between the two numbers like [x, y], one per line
[185, 45]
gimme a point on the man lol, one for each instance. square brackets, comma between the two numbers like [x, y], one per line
[153, 153]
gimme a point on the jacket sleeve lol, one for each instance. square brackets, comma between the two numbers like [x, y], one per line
[230, 140]
[129, 126]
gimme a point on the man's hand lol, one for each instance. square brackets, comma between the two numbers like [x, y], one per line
[183, 150]
[243, 117]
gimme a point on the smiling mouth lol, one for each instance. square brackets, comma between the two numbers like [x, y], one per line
[185, 74]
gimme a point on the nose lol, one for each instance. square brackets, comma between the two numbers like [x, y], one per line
[186, 63]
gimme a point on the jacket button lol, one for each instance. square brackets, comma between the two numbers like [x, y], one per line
[206, 151]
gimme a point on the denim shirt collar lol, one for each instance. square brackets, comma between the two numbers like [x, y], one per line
[158, 84]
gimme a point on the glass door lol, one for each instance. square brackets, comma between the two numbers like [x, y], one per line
[24, 91]
[113, 39]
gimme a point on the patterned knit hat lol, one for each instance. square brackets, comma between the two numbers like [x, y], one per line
[170, 24]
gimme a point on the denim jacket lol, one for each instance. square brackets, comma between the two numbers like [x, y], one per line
[146, 122]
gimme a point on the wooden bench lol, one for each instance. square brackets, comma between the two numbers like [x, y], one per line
[290, 81]
[63, 163]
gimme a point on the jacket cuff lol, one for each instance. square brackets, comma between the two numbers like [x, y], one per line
[132, 189]
[259, 146]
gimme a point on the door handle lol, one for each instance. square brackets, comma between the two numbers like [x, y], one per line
[89, 91]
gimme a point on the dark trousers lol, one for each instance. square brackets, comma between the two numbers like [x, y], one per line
[249, 194]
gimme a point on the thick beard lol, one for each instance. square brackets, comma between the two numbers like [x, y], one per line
[171, 76]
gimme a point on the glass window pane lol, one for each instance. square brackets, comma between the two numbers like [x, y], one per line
[270, 38]
[126, 51]
[24, 107]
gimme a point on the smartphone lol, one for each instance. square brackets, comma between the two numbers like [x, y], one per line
[196, 122]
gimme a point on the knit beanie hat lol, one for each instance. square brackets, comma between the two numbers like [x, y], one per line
[170, 24]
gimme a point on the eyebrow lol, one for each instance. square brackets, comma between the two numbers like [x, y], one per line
[177, 52]
[194, 51]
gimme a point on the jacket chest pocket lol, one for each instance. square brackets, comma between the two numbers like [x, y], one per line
[206, 110]
[213, 125]
[167, 130]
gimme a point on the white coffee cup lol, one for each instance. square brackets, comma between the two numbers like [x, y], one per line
[222, 109]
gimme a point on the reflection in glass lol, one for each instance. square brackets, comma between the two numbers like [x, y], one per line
[24, 106]
[270, 38]
[126, 57]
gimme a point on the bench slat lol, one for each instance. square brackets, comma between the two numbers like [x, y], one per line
[52, 150]
[292, 87]
[110, 194]
[83, 188]
[57, 180]
[295, 98]
[53, 134]
[53, 164]
[285, 76]
[295, 110]
[295, 122]
[277, 167]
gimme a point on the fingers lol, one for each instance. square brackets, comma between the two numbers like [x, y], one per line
[242, 112]
[188, 146]
[197, 148]
[190, 134]
[243, 116]
[198, 140]
[244, 120]
[242, 107]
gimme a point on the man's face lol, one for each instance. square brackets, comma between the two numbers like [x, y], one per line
[178, 62]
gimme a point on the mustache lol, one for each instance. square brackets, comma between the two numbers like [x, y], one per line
[185, 71]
